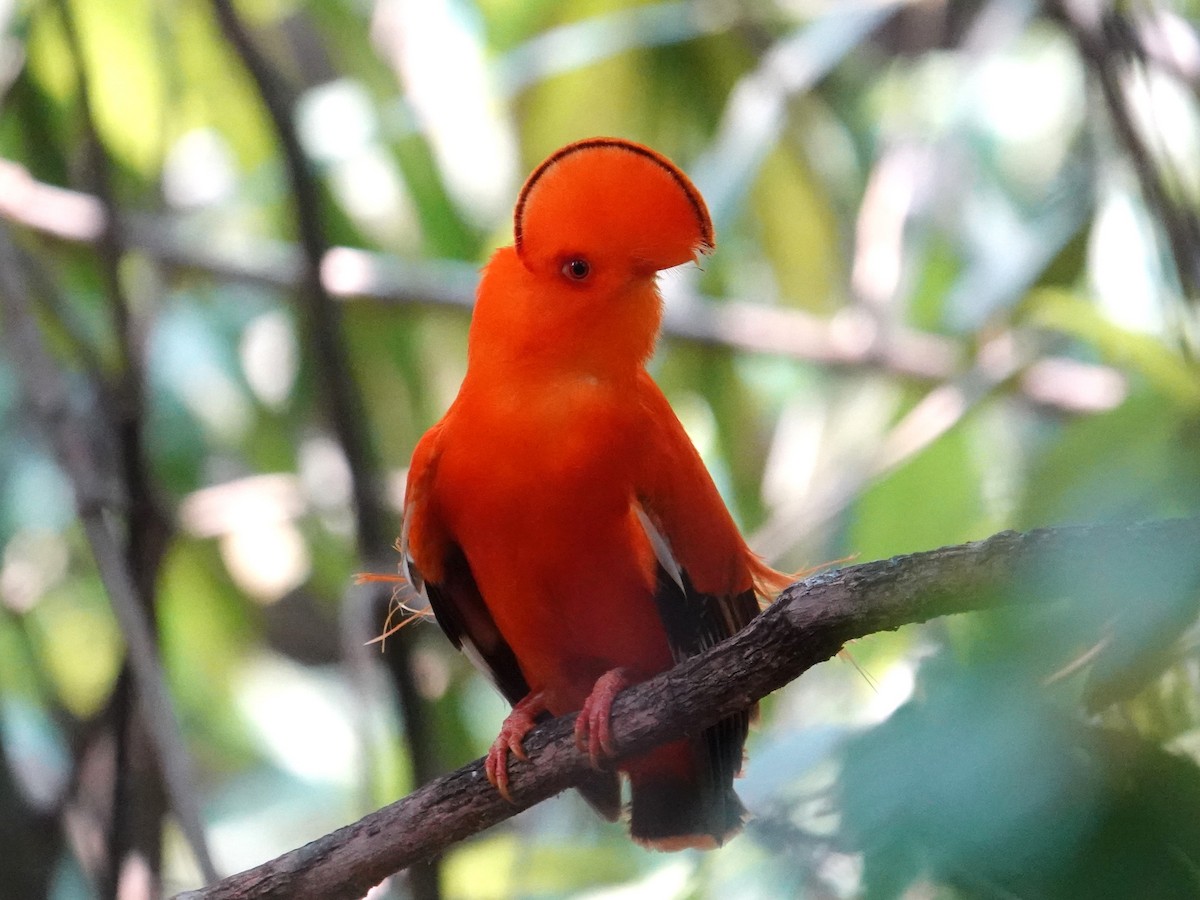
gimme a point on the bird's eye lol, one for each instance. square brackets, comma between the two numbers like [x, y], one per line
[576, 269]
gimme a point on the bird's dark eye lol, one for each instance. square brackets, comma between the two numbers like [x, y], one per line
[576, 269]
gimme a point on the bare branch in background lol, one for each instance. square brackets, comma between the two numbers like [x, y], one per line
[850, 340]
[343, 400]
[808, 624]
[1108, 43]
[75, 443]
[139, 799]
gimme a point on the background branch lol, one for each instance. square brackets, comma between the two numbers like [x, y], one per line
[850, 341]
[809, 623]
[1109, 42]
[138, 797]
[76, 446]
[344, 406]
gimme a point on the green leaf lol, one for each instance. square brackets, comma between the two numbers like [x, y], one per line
[1057, 310]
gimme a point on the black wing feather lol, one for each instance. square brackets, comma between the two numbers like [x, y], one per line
[466, 621]
[695, 621]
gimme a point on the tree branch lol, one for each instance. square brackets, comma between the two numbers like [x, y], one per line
[75, 441]
[1105, 41]
[808, 624]
[343, 400]
[847, 342]
[139, 798]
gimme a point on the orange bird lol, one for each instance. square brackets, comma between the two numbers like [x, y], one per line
[560, 522]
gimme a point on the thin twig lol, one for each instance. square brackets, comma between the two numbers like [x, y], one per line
[808, 624]
[75, 444]
[109, 242]
[343, 401]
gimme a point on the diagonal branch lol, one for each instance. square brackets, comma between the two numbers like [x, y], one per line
[808, 624]
[343, 400]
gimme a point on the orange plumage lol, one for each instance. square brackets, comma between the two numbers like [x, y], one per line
[561, 523]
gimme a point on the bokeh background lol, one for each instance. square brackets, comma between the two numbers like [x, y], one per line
[954, 292]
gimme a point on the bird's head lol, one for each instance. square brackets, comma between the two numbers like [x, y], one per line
[609, 207]
[576, 294]
[594, 224]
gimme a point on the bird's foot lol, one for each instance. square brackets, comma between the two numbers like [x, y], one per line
[512, 733]
[593, 727]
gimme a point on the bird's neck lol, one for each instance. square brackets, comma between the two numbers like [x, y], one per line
[526, 332]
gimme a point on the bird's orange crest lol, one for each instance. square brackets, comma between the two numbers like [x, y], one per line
[615, 196]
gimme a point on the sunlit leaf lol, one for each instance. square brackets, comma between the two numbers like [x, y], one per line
[1149, 356]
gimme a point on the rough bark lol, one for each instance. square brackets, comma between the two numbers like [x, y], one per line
[808, 624]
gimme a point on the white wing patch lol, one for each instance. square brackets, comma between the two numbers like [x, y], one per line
[662, 550]
[409, 568]
[477, 659]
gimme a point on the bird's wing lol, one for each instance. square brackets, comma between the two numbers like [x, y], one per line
[437, 568]
[691, 525]
[693, 619]
[706, 589]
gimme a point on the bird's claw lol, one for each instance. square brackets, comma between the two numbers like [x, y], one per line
[593, 727]
[511, 739]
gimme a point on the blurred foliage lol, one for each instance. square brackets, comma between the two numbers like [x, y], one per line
[941, 172]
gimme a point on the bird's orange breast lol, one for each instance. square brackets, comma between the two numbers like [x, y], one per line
[537, 491]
